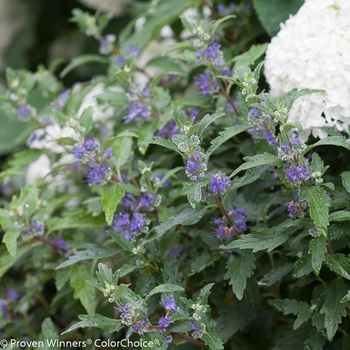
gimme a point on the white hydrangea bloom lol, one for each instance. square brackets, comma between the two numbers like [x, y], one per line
[38, 170]
[312, 50]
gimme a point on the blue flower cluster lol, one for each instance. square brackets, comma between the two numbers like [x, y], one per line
[98, 171]
[207, 84]
[263, 126]
[196, 166]
[212, 54]
[218, 183]
[239, 224]
[35, 228]
[130, 226]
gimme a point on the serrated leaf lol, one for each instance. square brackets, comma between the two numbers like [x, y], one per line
[83, 59]
[92, 251]
[319, 203]
[257, 160]
[345, 178]
[85, 119]
[164, 288]
[202, 261]
[228, 325]
[333, 309]
[302, 267]
[212, 339]
[276, 275]
[249, 177]
[330, 141]
[10, 239]
[193, 192]
[28, 200]
[340, 215]
[82, 290]
[153, 340]
[317, 250]
[162, 142]
[122, 150]
[204, 293]
[249, 57]
[339, 264]
[111, 197]
[224, 136]
[62, 277]
[98, 321]
[186, 217]
[206, 121]
[121, 240]
[265, 238]
[295, 307]
[48, 333]
[78, 221]
[214, 26]
[239, 269]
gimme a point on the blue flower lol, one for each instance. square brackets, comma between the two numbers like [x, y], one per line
[196, 166]
[24, 112]
[207, 83]
[218, 183]
[138, 112]
[98, 173]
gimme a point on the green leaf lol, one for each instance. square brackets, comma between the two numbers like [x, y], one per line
[206, 121]
[48, 333]
[214, 26]
[249, 57]
[340, 215]
[28, 201]
[333, 309]
[168, 65]
[82, 290]
[86, 119]
[83, 59]
[111, 197]
[7, 261]
[339, 264]
[10, 239]
[193, 192]
[257, 160]
[122, 150]
[319, 203]
[204, 293]
[224, 136]
[10, 128]
[109, 142]
[153, 340]
[202, 101]
[92, 251]
[264, 238]
[78, 221]
[201, 262]
[162, 142]
[121, 240]
[212, 339]
[249, 177]
[330, 141]
[178, 46]
[317, 249]
[164, 288]
[186, 217]
[303, 267]
[62, 277]
[276, 275]
[272, 13]
[291, 306]
[345, 178]
[146, 133]
[228, 325]
[239, 269]
[98, 321]
[167, 12]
